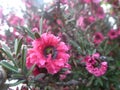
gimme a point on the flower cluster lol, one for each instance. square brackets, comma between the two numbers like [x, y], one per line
[49, 54]
[95, 66]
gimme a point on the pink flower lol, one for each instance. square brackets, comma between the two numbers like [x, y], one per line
[87, 1]
[99, 12]
[1, 12]
[98, 38]
[80, 21]
[118, 31]
[35, 29]
[112, 34]
[59, 22]
[62, 76]
[64, 1]
[15, 20]
[95, 66]
[48, 52]
[95, 1]
[83, 22]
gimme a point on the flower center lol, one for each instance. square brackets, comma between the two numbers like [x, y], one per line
[50, 50]
[97, 37]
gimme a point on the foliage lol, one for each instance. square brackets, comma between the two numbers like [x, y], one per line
[83, 26]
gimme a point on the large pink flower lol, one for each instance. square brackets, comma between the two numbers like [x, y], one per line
[95, 66]
[48, 52]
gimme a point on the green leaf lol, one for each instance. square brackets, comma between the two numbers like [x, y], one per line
[9, 56]
[17, 46]
[6, 48]
[7, 53]
[17, 83]
[91, 81]
[31, 69]
[9, 66]
[17, 76]
[24, 51]
[29, 32]
[100, 81]
[41, 75]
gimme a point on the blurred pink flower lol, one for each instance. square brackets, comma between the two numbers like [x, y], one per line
[99, 12]
[59, 22]
[83, 22]
[112, 34]
[35, 29]
[95, 1]
[62, 76]
[15, 20]
[80, 21]
[87, 1]
[98, 38]
[1, 12]
[94, 67]
[118, 32]
[64, 1]
[48, 52]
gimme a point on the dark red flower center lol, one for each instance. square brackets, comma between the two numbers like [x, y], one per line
[97, 37]
[97, 64]
[50, 50]
[113, 33]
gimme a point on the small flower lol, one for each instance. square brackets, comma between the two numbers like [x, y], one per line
[64, 1]
[98, 38]
[95, 66]
[1, 13]
[80, 21]
[112, 34]
[100, 12]
[48, 53]
[118, 32]
[87, 1]
[83, 22]
[15, 20]
[95, 1]
[62, 76]
[35, 29]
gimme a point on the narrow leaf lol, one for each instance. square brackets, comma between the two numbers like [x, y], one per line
[9, 56]
[15, 45]
[29, 33]
[18, 44]
[17, 83]
[24, 51]
[9, 66]
[100, 81]
[17, 76]
[31, 69]
[41, 75]
[6, 48]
